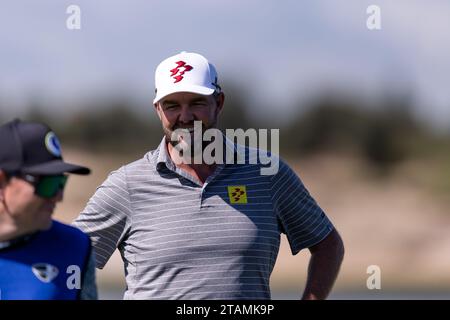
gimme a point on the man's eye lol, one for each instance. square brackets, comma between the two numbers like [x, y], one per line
[170, 107]
[199, 103]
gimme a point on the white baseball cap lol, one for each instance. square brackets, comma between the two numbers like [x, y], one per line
[185, 72]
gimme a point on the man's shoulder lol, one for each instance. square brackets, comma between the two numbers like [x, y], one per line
[251, 153]
[66, 231]
[146, 163]
[259, 157]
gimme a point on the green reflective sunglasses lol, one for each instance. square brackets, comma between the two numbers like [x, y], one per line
[46, 186]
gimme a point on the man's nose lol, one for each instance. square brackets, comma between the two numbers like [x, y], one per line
[186, 115]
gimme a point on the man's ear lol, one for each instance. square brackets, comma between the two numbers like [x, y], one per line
[158, 110]
[220, 100]
[3, 179]
[3, 182]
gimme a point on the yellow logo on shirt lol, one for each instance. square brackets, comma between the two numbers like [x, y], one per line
[237, 194]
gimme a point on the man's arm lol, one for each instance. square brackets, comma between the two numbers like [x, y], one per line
[326, 259]
[105, 217]
[89, 286]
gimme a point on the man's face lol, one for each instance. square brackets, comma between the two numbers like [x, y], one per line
[180, 110]
[28, 211]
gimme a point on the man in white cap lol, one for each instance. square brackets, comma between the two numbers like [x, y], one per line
[204, 230]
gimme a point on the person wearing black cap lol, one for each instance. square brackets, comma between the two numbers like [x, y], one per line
[40, 258]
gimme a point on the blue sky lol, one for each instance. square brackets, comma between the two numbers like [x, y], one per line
[277, 51]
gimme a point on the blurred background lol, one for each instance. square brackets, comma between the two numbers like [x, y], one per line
[364, 115]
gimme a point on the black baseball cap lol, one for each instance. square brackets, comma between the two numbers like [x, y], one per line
[33, 148]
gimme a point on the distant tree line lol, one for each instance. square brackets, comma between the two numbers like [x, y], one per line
[384, 135]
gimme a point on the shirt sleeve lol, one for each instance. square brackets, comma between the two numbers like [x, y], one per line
[105, 217]
[299, 216]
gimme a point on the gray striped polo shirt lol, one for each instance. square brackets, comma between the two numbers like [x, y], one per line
[180, 239]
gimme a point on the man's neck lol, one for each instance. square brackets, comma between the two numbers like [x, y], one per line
[8, 228]
[8, 231]
[9, 239]
[200, 171]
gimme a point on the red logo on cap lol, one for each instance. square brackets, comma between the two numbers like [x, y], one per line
[177, 74]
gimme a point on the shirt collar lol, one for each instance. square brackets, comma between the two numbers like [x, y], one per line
[162, 157]
[16, 241]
